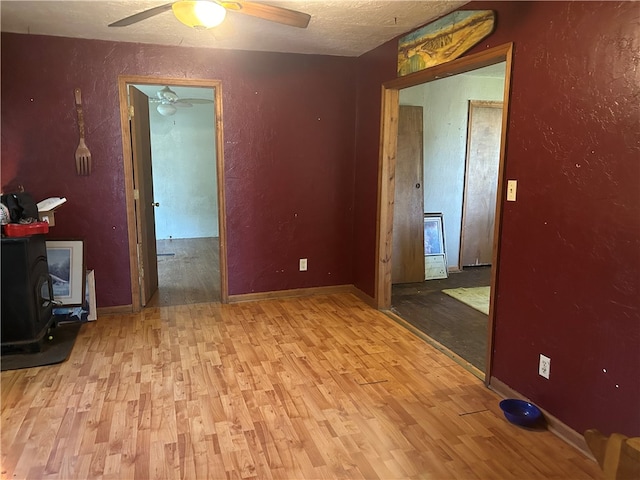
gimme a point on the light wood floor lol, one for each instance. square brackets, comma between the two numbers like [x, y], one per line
[188, 271]
[316, 388]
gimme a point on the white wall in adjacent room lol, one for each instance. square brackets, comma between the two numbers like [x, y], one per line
[183, 154]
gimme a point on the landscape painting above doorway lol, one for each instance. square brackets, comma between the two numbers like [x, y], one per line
[443, 40]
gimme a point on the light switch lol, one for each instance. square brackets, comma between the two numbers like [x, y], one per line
[512, 186]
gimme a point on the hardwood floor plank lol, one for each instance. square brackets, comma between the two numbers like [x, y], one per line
[315, 388]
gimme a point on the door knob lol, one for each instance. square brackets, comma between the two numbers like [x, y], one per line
[156, 204]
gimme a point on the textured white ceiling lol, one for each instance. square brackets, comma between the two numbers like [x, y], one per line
[345, 28]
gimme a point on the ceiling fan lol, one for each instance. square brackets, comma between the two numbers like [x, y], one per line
[169, 102]
[203, 14]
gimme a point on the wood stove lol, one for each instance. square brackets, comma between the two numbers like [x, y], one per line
[27, 292]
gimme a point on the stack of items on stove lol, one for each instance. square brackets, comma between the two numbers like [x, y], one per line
[19, 216]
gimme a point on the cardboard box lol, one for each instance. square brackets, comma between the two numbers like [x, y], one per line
[47, 216]
[46, 209]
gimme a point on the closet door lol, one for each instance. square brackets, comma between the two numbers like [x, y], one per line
[481, 183]
[407, 262]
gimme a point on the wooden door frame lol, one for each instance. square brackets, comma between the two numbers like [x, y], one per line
[386, 169]
[123, 82]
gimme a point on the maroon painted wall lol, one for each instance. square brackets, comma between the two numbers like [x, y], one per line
[374, 68]
[569, 268]
[288, 131]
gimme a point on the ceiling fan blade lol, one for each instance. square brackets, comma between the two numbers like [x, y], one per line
[182, 104]
[138, 17]
[274, 14]
[196, 101]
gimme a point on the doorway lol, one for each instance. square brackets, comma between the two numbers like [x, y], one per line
[459, 147]
[390, 107]
[141, 228]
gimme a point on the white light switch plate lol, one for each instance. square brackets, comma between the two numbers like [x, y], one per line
[512, 186]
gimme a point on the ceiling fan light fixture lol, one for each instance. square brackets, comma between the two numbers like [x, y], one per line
[166, 109]
[199, 14]
[167, 94]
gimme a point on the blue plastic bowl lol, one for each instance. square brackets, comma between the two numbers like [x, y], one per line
[520, 412]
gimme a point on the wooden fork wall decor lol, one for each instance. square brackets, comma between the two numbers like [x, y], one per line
[83, 155]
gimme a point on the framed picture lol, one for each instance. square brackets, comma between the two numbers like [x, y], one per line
[66, 268]
[90, 296]
[443, 40]
[433, 234]
[435, 267]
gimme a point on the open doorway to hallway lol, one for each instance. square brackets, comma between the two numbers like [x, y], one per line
[459, 158]
[177, 175]
[183, 157]
[388, 162]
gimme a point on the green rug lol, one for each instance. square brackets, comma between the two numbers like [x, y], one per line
[475, 297]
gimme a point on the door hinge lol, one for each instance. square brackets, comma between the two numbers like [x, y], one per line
[131, 111]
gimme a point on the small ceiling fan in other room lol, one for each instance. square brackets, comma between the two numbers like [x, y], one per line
[211, 13]
[169, 102]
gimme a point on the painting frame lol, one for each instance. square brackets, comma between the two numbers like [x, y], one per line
[90, 296]
[65, 259]
[433, 234]
[435, 267]
[443, 40]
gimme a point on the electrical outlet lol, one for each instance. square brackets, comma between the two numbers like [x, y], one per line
[544, 368]
[303, 264]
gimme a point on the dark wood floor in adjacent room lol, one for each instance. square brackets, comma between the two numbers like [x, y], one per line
[458, 327]
[188, 271]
